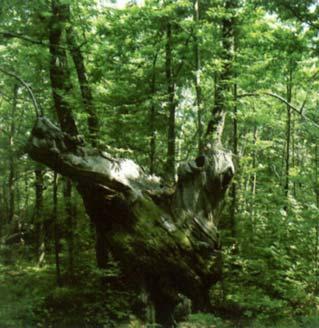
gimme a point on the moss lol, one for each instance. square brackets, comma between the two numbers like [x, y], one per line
[147, 212]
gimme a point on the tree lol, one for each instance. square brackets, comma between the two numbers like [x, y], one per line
[12, 131]
[172, 231]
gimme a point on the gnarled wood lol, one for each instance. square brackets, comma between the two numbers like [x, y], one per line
[164, 238]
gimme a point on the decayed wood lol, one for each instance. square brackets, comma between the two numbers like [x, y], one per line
[164, 238]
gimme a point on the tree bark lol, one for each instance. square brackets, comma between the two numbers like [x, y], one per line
[223, 79]
[293, 149]
[153, 118]
[171, 132]
[197, 81]
[233, 191]
[70, 225]
[288, 135]
[38, 215]
[86, 92]
[253, 183]
[59, 71]
[164, 239]
[57, 245]
[11, 179]
[5, 200]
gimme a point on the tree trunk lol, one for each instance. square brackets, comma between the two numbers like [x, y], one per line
[11, 182]
[288, 136]
[152, 118]
[233, 192]
[56, 230]
[171, 133]
[59, 71]
[198, 88]
[5, 200]
[253, 183]
[166, 236]
[26, 192]
[86, 92]
[70, 226]
[223, 81]
[38, 215]
[293, 149]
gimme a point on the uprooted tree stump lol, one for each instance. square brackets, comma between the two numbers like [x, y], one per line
[163, 238]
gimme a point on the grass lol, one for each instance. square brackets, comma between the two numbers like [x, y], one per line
[22, 288]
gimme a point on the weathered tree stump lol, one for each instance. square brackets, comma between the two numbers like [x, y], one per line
[163, 238]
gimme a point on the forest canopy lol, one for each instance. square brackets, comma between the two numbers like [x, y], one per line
[159, 163]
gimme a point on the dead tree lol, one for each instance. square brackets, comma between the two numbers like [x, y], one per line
[163, 238]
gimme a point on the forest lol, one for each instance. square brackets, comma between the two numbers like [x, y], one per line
[159, 163]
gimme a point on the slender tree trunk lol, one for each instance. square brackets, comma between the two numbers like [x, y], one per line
[59, 71]
[171, 134]
[153, 118]
[26, 192]
[86, 91]
[288, 136]
[18, 198]
[233, 189]
[223, 79]
[5, 200]
[293, 148]
[39, 224]
[197, 79]
[253, 183]
[70, 225]
[12, 173]
[57, 245]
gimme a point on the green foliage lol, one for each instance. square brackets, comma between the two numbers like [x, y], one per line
[18, 307]
[89, 301]
[205, 320]
[86, 304]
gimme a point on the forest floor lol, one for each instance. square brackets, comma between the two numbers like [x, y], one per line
[23, 289]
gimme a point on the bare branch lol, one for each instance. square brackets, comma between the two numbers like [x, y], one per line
[11, 35]
[14, 35]
[38, 110]
[299, 111]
